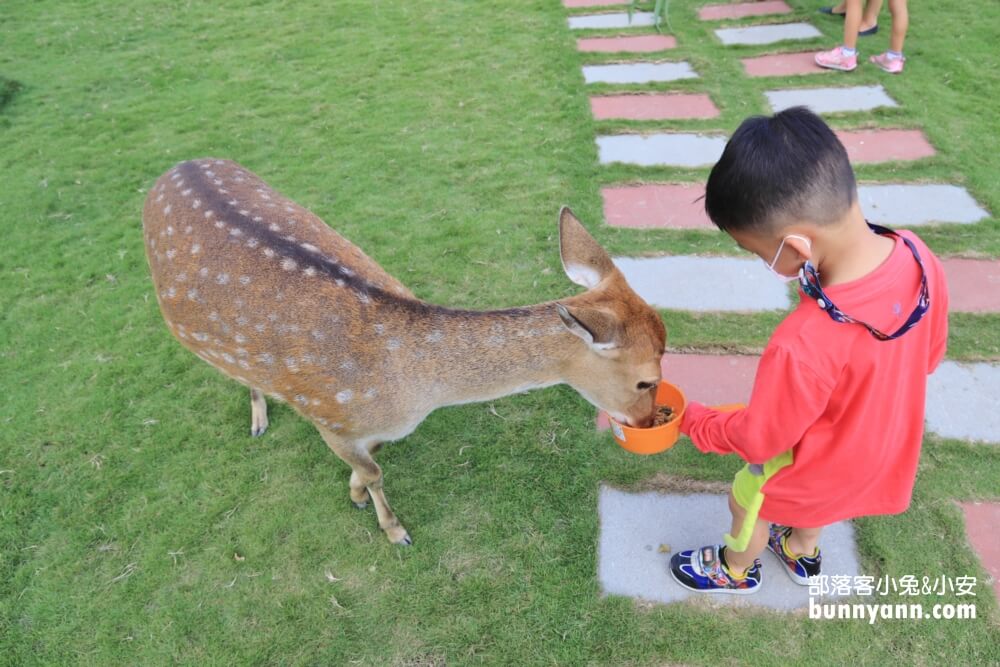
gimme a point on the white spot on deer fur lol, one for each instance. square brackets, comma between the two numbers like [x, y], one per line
[203, 272]
[240, 338]
[200, 337]
[371, 393]
[196, 203]
[292, 364]
[266, 359]
[259, 328]
[192, 294]
[318, 335]
[213, 316]
[244, 280]
[301, 399]
[244, 364]
[244, 213]
[232, 202]
[273, 317]
[174, 175]
[160, 197]
[380, 329]
[236, 232]
[346, 271]
[171, 253]
[289, 238]
[219, 224]
[288, 264]
[229, 358]
[217, 181]
[348, 365]
[171, 292]
[310, 247]
[292, 221]
[242, 321]
[241, 352]
[209, 214]
[268, 253]
[188, 229]
[222, 279]
[496, 340]
[310, 271]
[393, 344]
[274, 227]
[170, 230]
[315, 401]
[181, 277]
[363, 298]
[186, 192]
[252, 242]
[344, 396]
[257, 218]
[435, 337]
[289, 209]
[340, 282]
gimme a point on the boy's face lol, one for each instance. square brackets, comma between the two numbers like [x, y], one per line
[785, 251]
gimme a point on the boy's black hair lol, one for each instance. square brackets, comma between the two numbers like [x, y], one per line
[789, 167]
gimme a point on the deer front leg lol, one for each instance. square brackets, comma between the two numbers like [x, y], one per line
[258, 413]
[359, 492]
[366, 479]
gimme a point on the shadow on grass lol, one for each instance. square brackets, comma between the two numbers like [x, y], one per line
[8, 89]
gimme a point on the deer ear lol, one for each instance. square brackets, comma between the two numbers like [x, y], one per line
[597, 328]
[584, 260]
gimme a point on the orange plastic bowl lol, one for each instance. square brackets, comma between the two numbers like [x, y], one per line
[655, 439]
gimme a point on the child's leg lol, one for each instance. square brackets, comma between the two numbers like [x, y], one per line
[852, 23]
[803, 541]
[869, 19]
[740, 561]
[900, 23]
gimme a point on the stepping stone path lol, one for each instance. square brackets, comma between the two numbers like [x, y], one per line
[767, 34]
[744, 9]
[962, 398]
[635, 526]
[831, 100]
[638, 72]
[653, 107]
[981, 521]
[914, 205]
[606, 21]
[783, 64]
[677, 150]
[682, 282]
[638, 44]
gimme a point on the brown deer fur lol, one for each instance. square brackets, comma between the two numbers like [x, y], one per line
[266, 292]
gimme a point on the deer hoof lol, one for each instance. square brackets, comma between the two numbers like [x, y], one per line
[258, 431]
[361, 505]
[404, 541]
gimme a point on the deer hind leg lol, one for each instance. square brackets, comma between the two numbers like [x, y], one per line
[366, 476]
[258, 413]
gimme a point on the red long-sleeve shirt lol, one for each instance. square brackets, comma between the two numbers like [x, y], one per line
[851, 407]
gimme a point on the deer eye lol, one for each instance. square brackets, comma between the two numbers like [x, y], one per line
[645, 386]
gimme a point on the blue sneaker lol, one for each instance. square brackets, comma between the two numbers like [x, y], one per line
[703, 570]
[799, 568]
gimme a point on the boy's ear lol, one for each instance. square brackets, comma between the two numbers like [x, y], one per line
[584, 260]
[598, 328]
[800, 245]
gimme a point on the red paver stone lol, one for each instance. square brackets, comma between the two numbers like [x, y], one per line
[656, 205]
[737, 11]
[783, 64]
[712, 379]
[981, 522]
[653, 107]
[633, 44]
[570, 4]
[973, 285]
[885, 145]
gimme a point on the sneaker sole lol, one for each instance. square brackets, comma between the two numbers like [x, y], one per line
[837, 67]
[731, 591]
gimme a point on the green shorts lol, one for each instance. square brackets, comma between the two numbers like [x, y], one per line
[747, 493]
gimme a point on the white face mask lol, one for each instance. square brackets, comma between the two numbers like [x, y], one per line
[783, 278]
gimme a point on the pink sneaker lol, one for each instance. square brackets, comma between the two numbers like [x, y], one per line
[887, 64]
[835, 59]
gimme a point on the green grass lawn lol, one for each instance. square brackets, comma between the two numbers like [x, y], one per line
[139, 522]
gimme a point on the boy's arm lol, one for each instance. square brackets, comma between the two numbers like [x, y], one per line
[788, 397]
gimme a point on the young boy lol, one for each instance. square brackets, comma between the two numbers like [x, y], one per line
[835, 421]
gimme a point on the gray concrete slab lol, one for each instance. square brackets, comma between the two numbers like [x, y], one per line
[831, 100]
[634, 525]
[913, 205]
[963, 401]
[705, 283]
[614, 20]
[638, 72]
[767, 34]
[670, 149]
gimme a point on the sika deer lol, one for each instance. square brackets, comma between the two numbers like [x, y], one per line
[267, 293]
